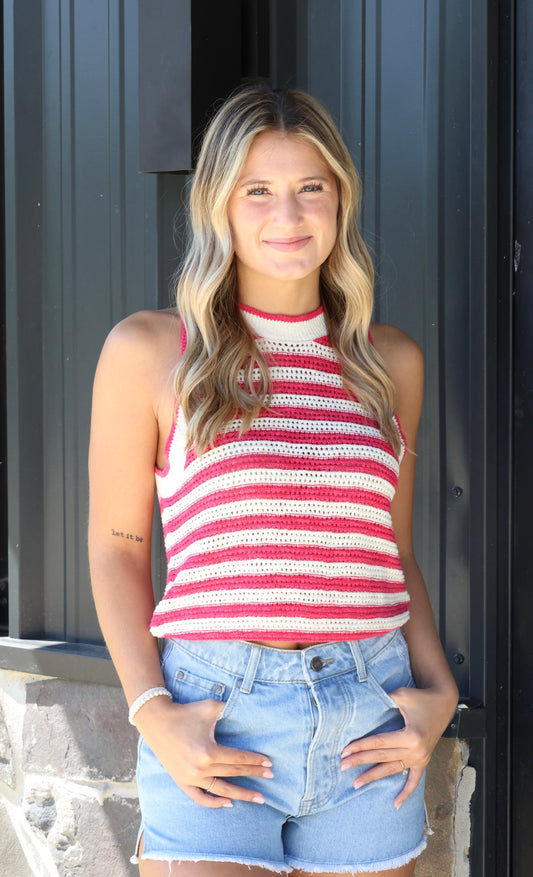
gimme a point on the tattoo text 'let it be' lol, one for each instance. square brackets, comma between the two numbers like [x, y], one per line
[123, 535]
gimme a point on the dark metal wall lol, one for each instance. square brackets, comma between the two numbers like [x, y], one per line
[89, 240]
[3, 418]
[522, 603]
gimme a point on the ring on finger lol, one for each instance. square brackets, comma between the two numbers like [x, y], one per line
[405, 770]
[212, 784]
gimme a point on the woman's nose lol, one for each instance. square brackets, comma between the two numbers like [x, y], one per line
[288, 210]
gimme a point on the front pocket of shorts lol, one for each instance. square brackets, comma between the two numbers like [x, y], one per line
[384, 695]
[390, 670]
[189, 687]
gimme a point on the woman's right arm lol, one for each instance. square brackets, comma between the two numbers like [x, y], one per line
[131, 384]
[122, 453]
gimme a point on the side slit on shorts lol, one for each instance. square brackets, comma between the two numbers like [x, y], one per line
[299, 708]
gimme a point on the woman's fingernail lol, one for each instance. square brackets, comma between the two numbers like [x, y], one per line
[266, 763]
[358, 783]
[397, 806]
[258, 799]
[227, 804]
[268, 773]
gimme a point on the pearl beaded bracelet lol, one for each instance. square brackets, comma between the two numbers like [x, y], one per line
[144, 698]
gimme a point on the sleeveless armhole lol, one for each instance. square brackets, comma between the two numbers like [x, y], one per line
[395, 418]
[168, 444]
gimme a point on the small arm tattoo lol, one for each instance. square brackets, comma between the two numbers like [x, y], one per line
[122, 535]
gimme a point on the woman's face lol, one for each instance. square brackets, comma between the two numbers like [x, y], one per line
[283, 216]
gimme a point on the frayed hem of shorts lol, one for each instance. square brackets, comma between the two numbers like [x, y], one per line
[172, 857]
[371, 868]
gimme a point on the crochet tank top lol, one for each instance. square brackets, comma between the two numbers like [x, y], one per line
[284, 532]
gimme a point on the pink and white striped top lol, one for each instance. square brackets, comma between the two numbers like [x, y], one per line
[285, 532]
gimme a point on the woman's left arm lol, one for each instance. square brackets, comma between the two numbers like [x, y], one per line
[428, 708]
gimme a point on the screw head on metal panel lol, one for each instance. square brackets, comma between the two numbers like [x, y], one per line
[458, 658]
[457, 491]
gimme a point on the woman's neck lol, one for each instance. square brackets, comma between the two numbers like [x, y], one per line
[275, 297]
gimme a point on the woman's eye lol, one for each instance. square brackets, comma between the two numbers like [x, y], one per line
[258, 190]
[312, 187]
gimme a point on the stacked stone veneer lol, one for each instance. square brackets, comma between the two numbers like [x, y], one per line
[450, 784]
[68, 801]
[67, 767]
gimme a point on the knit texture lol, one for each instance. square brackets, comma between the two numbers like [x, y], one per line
[284, 532]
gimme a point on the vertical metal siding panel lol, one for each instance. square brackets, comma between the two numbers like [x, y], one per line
[23, 195]
[91, 261]
[67, 250]
[405, 225]
[53, 523]
[324, 29]
[400, 108]
[425, 325]
[400, 220]
[414, 290]
[122, 230]
[141, 201]
[484, 350]
[288, 45]
[352, 80]
[454, 334]
[117, 156]
[424, 273]
[103, 259]
[370, 149]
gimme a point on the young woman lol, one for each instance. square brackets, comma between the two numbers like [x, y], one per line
[281, 729]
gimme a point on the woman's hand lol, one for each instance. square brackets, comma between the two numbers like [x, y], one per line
[182, 736]
[426, 713]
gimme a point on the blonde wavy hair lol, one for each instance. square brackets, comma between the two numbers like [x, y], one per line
[220, 347]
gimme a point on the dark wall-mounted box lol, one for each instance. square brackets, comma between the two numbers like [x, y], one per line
[190, 57]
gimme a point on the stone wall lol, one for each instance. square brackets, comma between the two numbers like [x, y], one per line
[449, 787]
[68, 801]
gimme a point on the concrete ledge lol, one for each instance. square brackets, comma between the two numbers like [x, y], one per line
[76, 661]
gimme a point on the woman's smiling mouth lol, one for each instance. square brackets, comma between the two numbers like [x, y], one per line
[288, 245]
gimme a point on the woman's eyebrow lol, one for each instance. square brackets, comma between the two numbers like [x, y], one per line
[251, 181]
[320, 177]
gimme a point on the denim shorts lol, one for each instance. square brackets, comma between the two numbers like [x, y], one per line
[299, 708]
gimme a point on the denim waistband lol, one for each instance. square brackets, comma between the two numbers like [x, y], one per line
[254, 662]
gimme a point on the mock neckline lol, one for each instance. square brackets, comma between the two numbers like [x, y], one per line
[282, 327]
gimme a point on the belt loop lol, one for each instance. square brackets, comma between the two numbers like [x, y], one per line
[251, 669]
[358, 658]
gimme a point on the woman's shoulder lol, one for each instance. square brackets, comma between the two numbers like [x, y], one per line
[139, 356]
[401, 353]
[405, 362]
[145, 329]
[145, 338]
